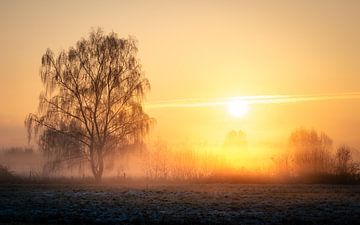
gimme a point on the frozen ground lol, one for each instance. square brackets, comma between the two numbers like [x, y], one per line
[180, 204]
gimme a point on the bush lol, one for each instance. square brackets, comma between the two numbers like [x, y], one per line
[6, 174]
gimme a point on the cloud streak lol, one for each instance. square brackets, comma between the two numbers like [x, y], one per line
[258, 99]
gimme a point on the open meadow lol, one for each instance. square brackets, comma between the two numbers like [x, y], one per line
[179, 204]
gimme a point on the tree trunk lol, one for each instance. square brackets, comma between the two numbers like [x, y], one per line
[97, 165]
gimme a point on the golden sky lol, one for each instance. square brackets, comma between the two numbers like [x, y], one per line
[199, 52]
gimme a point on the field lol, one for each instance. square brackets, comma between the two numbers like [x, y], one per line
[179, 204]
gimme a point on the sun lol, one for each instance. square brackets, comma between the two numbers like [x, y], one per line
[237, 109]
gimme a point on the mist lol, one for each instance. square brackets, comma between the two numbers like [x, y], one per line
[234, 160]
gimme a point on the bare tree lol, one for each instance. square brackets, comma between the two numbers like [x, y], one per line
[343, 160]
[311, 151]
[93, 96]
[282, 165]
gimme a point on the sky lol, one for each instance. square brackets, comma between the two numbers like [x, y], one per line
[196, 52]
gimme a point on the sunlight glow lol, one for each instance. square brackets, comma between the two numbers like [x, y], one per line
[256, 99]
[237, 109]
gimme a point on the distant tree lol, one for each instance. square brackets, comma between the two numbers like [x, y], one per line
[16, 151]
[235, 139]
[311, 151]
[234, 147]
[282, 165]
[343, 159]
[92, 102]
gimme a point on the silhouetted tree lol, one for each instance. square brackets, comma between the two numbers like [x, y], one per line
[310, 151]
[343, 161]
[92, 102]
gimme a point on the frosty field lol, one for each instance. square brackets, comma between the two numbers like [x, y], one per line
[180, 204]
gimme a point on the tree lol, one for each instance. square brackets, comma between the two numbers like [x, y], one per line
[343, 161]
[91, 105]
[236, 139]
[310, 151]
[235, 150]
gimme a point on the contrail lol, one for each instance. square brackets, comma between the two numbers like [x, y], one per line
[256, 99]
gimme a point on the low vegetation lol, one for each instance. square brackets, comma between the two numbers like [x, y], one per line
[310, 158]
[5, 174]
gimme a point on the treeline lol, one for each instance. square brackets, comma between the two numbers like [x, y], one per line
[311, 157]
[22, 160]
